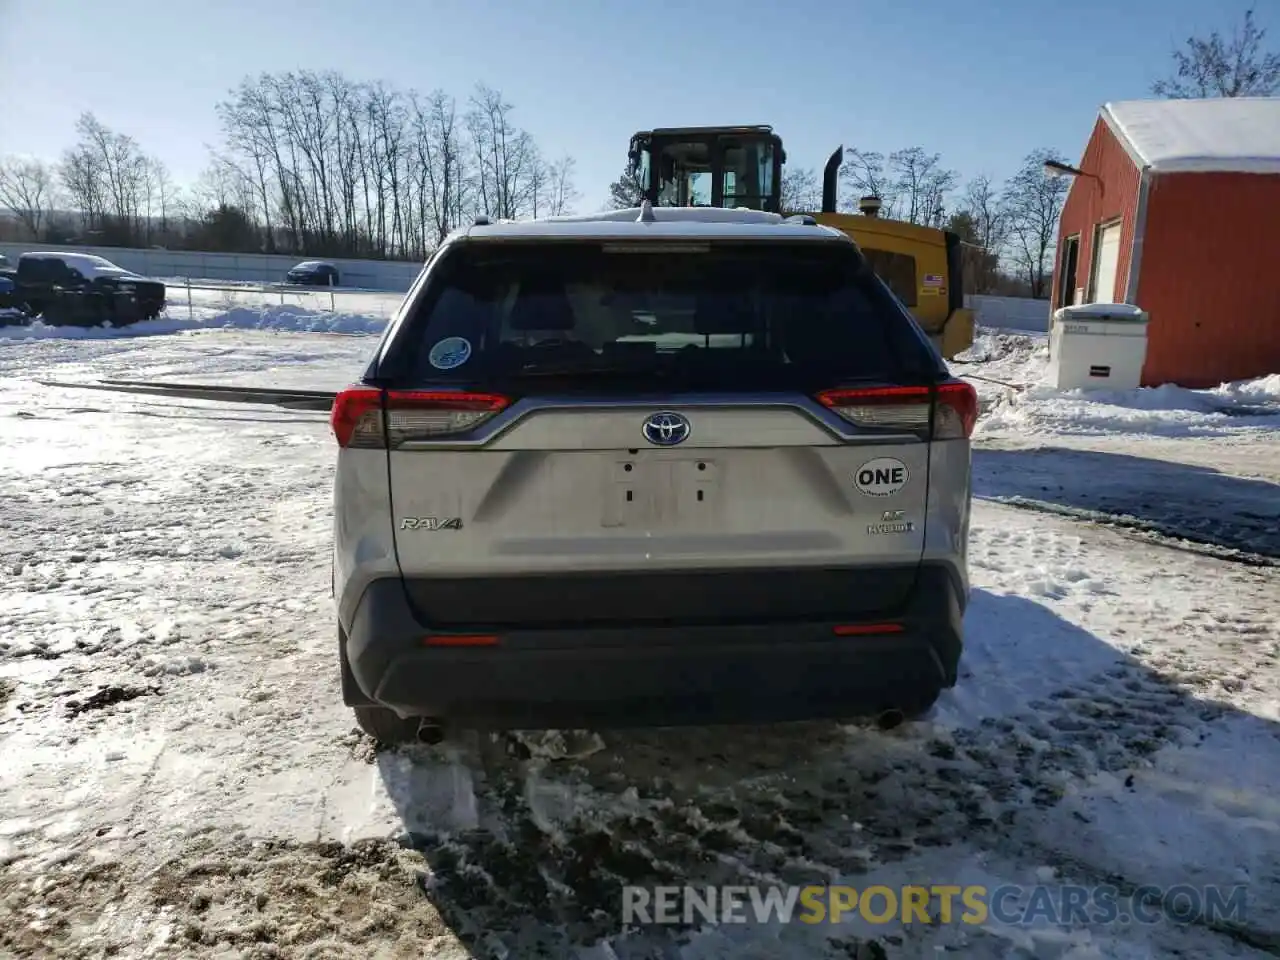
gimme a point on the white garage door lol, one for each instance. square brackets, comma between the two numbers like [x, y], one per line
[1108, 261]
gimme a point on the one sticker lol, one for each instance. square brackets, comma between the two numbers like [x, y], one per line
[933, 280]
[449, 353]
[882, 477]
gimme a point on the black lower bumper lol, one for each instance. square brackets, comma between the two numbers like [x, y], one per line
[658, 674]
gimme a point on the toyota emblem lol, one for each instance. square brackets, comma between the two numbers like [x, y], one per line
[667, 429]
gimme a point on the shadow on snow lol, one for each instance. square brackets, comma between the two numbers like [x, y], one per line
[1172, 499]
[534, 851]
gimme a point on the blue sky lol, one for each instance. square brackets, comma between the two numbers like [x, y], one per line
[981, 82]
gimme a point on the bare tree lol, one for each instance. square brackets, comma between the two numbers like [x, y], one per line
[981, 201]
[26, 188]
[550, 187]
[1032, 205]
[1214, 67]
[165, 193]
[801, 191]
[110, 181]
[982, 224]
[563, 195]
[81, 171]
[864, 172]
[506, 160]
[310, 163]
[439, 165]
[921, 185]
[912, 185]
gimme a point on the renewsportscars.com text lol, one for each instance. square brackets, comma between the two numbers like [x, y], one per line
[936, 903]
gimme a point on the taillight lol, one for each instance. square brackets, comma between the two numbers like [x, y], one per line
[907, 409]
[357, 415]
[957, 411]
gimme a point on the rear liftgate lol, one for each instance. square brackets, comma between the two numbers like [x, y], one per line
[617, 494]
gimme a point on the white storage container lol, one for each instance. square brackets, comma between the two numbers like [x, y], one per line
[1097, 346]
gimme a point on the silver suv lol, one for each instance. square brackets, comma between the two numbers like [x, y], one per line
[659, 466]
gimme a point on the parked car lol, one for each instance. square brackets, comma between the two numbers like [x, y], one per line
[703, 467]
[313, 273]
[82, 288]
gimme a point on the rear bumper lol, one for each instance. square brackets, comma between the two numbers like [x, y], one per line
[653, 673]
[151, 301]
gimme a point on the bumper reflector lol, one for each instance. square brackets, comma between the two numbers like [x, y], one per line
[865, 629]
[460, 640]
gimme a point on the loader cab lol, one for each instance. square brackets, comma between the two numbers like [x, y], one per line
[709, 167]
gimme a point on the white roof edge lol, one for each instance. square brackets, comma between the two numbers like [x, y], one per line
[1209, 164]
[1118, 131]
[1210, 135]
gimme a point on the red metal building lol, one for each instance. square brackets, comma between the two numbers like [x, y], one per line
[1177, 209]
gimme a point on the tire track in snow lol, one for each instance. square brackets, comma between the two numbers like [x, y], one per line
[1169, 536]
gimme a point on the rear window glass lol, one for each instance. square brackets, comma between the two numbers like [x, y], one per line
[727, 316]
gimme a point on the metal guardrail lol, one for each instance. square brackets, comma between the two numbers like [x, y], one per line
[213, 283]
[380, 303]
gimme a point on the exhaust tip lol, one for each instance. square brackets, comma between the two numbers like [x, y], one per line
[430, 732]
[890, 719]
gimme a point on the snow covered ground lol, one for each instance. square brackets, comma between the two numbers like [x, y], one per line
[1196, 464]
[180, 779]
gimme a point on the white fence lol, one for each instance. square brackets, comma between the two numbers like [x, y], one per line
[1011, 313]
[187, 298]
[384, 275]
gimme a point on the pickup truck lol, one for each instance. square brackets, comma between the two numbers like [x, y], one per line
[82, 289]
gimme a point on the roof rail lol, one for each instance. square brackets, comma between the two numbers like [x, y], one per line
[674, 215]
[802, 218]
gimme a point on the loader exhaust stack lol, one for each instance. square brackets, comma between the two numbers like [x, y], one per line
[830, 175]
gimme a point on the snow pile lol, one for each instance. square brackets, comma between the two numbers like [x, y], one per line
[1000, 361]
[275, 317]
[1262, 391]
[1167, 410]
[1015, 357]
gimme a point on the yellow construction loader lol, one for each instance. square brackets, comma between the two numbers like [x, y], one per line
[741, 166]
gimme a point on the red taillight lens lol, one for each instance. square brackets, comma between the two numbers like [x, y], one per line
[957, 411]
[356, 414]
[907, 409]
[357, 419]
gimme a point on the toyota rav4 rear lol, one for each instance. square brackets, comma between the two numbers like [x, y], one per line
[649, 471]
